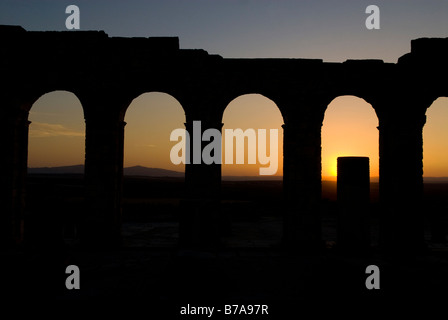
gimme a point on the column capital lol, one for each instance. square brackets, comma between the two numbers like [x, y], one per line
[410, 122]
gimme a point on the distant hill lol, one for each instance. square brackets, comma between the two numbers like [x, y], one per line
[151, 172]
[157, 172]
[77, 169]
[130, 171]
[142, 172]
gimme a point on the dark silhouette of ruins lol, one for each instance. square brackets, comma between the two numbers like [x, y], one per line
[107, 73]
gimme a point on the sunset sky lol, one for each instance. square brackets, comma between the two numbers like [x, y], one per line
[329, 30]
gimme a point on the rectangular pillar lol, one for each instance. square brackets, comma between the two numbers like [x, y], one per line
[199, 224]
[101, 224]
[353, 196]
[14, 136]
[401, 184]
[302, 184]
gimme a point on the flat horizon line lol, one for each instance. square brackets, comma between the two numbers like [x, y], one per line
[268, 177]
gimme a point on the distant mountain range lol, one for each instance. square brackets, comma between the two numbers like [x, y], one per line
[78, 169]
[142, 172]
[157, 172]
[129, 171]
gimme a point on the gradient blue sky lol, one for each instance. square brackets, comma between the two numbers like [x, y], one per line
[328, 30]
[331, 30]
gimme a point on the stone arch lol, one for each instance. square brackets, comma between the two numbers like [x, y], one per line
[132, 97]
[150, 118]
[351, 103]
[228, 99]
[161, 108]
[51, 101]
[256, 118]
[264, 198]
[365, 96]
[105, 91]
[35, 95]
[434, 131]
[58, 135]
[349, 129]
[435, 147]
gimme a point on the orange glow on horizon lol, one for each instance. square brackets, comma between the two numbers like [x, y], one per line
[252, 111]
[349, 129]
[150, 119]
[57, 132]
[435, 140]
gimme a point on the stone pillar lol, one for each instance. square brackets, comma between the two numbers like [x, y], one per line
[401, 182]
[14, 136]
[103, 179]
[199, 221]
[353, 194]
[302, 183]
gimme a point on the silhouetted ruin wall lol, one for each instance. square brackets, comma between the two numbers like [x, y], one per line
[353, 194]
[107, 73]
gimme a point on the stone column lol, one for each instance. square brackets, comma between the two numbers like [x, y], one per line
[353, 194]
[103, 179]
[401, 182]
[14, 136]
[199, 221]
[302, 183]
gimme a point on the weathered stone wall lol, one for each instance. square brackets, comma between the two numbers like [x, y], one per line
[107, 73]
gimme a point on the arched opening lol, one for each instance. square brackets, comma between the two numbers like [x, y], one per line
[55, 180]
[349, 129]
[251, 185]
[153, 186]
[435, 171]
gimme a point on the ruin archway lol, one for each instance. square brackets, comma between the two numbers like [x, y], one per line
[205, 83]
[251, 197]
[349, 129]
[435, 139]
[55, 179]
[435, 171]
[153, 186]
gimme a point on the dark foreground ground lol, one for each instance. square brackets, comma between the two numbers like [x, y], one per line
[250, 267]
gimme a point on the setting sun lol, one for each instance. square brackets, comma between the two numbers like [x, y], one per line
[349, 129]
